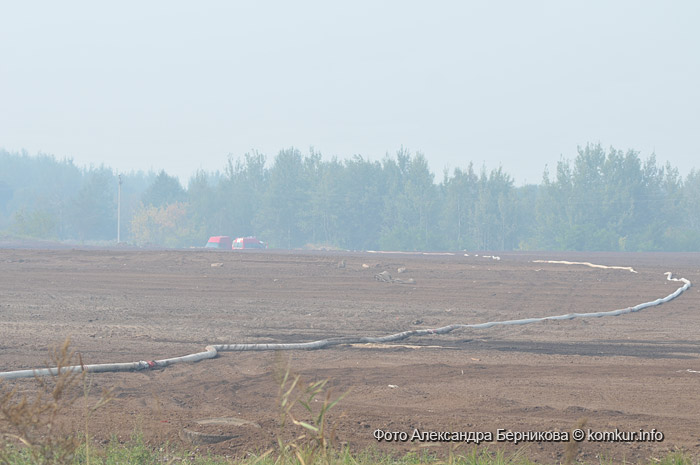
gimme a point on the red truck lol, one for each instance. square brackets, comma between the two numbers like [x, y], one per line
[219, 242]
[248, 243]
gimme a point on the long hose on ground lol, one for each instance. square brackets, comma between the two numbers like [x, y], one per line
[212, 351]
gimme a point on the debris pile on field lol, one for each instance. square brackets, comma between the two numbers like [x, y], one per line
[385, 277]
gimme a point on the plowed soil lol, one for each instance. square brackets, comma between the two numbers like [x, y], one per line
[628, 373]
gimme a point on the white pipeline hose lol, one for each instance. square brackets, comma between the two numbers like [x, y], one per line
[212, 351]
[592, 265]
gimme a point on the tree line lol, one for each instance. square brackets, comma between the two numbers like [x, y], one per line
[602, 200]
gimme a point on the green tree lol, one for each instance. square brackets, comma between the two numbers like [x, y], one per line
[362, 187]
[238, 195]
[410, 206]
[458, 212]
[39, 184]
[40, 223]
[164, 190]
[202, 202]
[94, 208]
[326, 199]
[494, 218]
[609, 201]
[691, 200]
[285, 201]
[166, 225]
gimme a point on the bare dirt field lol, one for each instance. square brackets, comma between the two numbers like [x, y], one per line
[628, 373]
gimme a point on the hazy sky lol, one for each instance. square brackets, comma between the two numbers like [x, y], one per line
[180, 85]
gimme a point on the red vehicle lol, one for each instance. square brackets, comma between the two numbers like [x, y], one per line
[248, 243]
[219, 242]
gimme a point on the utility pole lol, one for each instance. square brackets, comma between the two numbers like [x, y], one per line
[119, 210]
